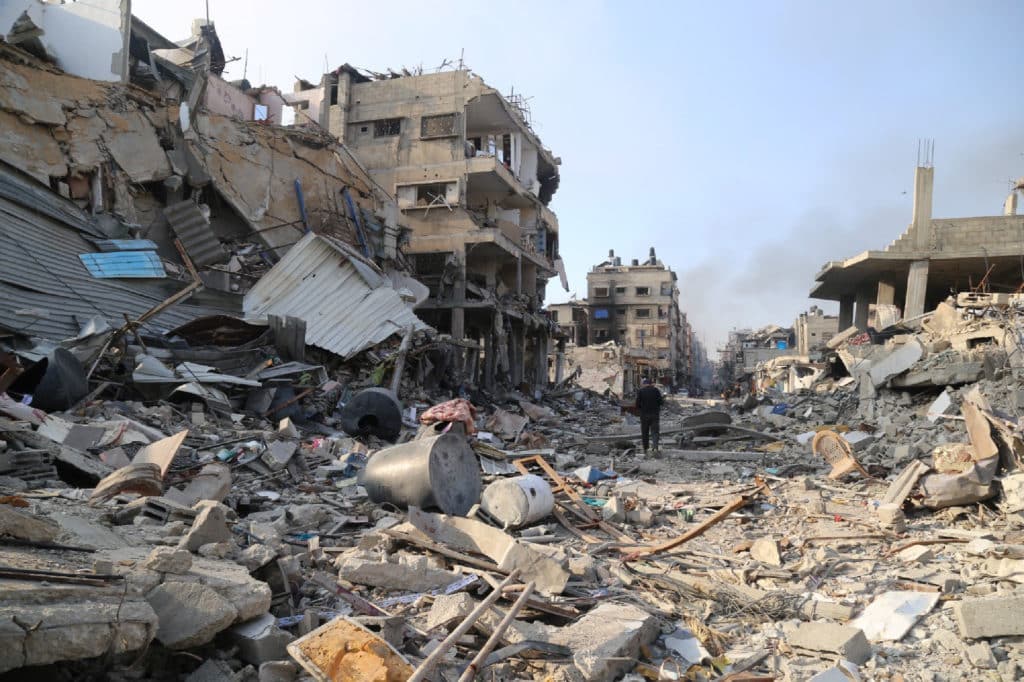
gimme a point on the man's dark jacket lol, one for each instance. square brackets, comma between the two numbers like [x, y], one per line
[648, 401]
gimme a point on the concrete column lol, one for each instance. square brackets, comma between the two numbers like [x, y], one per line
[845, 312]
[559, 366]
[860, 315]
[917, 288]
[542, 360]
[921, 227]
[886, 293]
[458, 322]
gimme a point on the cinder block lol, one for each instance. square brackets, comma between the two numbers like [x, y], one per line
[848, 642]
[990, 617]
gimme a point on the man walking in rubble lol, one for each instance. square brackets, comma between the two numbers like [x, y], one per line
[648, 404]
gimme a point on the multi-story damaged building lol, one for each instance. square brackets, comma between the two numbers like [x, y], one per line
[813, 329]
[473, 182]
[747, 348]
[637, 306]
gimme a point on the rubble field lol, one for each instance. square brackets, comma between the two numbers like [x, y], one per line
[852, 530]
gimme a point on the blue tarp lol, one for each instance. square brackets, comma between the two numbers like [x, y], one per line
[122, 264]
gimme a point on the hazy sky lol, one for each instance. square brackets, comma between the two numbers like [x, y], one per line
[749, 142]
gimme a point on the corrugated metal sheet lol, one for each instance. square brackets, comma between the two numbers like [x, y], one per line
[27, 191]
[348, 306]
[109, 245]
[195, 234]
[45, 289]
[124, 264]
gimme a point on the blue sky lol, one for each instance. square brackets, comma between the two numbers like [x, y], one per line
[749, 142]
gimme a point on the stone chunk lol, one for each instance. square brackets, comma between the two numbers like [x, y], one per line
[260, 640]
[766, 550]
[256, 556]
[605, 641]
[917, 554]
[394, 577]
[212, 670]
[210, 525]
[448, 608]
[980, 655]
[990, 617]
[190, 614]
[24, 526]
[848, 642]
[168, 560]
[278, 671]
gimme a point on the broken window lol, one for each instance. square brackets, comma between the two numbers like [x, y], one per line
[643, 312]
[387, 127]
[601, 292]
[429, 194]
[666, 288]
[601, 334]
[554, 315]
[643, 291]
[620, 311]
[620, 290]
[437, 126]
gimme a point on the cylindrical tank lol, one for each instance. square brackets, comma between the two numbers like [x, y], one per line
[519, 501]
[437, 471]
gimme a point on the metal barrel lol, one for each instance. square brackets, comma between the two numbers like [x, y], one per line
[434, 472]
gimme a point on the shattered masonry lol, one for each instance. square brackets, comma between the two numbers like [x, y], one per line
[282, 402]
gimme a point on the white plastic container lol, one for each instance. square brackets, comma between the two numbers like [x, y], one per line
[519, 501]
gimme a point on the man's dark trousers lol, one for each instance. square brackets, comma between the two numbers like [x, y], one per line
[650, 429]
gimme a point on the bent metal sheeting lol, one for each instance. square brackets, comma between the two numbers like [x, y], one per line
[348, 306]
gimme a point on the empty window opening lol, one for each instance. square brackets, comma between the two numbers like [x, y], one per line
[643, 312]
[601, 292]
[387, 127]
[643, 291]
[437, 126]
[620, 290]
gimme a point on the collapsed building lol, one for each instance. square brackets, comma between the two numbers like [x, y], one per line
[473, 183]
[932, 258]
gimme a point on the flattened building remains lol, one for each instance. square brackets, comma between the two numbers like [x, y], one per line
[473, 183]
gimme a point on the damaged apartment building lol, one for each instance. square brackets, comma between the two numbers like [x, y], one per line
[473, 183]
[636, 308]
[140, 191]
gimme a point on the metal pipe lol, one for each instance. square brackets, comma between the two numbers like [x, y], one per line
[492, 641]
[430, 661]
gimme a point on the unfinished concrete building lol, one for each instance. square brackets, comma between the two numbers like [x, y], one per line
[637, 306]
[473, 182]
[933, 258]
[813, 329]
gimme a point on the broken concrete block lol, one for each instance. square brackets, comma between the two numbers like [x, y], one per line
[641, 516]
[448, 608]
[980, 655]
[24, 526]
[260, 640]
[990, 616]
[256, 556]
[766, 550]
[210, 525]
[844, 671]
[895, 362]
[69, 625]
[891, 516]
[212, 670]
[169, 560]
[391, 576]
[213, 482]
[1013, 493]
[918, 554]
[614, 510]
[848, 642]
[605, 641]
[190, 613]
[940, 406]
[278, 671]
